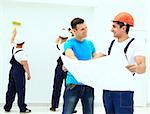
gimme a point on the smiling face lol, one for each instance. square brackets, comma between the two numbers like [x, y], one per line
[118, 32]
[80, 31]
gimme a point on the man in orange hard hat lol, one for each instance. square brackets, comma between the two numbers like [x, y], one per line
[119, 99]
[125, 18]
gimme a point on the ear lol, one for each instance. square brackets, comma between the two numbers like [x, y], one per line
[124, 28]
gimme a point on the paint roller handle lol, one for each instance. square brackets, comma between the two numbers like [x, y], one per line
[14, 32]
[13, 36]
[14, 29]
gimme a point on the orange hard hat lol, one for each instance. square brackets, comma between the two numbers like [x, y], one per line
[125, 18]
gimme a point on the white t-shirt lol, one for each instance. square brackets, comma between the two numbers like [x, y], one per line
[121, 81]
[61, 47]
[135, 48]
[19, 56]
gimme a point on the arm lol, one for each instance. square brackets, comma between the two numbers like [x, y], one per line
[69, 53]
[60, 40]
[98, 55]
[139, 67]
[13, 36]
[26, 68]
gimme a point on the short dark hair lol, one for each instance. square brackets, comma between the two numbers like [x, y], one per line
[76, 21]
[121, 24]
[21, 43]
[69, 29]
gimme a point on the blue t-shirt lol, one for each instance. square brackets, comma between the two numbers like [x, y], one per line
[82, 50]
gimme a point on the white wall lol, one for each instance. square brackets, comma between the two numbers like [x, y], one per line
[40, 25]
[148, 47]
[41, 21]
[103, 16]
[1, 49]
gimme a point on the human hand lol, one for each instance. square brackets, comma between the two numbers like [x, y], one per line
[132, 68]
[64, 68]
[28, 77]
[14, 31]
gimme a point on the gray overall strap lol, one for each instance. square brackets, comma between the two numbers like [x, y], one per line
[109, 49]
[57, 47]
[12, 50]
[16, 51]
[125, 49]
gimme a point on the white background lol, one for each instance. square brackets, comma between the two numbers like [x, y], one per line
[41, 20]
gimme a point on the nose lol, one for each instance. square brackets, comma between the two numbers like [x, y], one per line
[112, 29]
[85, 29]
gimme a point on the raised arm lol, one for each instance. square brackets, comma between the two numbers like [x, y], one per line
[13, 36]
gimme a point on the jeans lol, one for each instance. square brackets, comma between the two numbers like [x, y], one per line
[72, 95]
[118, 102]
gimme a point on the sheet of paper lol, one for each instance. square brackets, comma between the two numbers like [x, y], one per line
[107, 72]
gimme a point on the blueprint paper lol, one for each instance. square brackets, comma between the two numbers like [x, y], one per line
[106, 72]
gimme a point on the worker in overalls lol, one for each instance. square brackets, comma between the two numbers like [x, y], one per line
[19, 65]
[60, 74]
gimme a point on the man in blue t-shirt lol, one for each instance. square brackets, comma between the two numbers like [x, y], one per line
[82, 49]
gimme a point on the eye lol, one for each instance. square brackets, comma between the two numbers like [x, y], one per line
[113, 26]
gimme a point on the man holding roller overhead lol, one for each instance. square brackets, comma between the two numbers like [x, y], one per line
[19, 66]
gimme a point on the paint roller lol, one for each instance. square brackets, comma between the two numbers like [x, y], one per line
[16, 24]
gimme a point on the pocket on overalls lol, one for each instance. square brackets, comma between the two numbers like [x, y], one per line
[126, 99]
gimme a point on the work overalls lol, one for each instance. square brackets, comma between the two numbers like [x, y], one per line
[60, 75]
[16, 84]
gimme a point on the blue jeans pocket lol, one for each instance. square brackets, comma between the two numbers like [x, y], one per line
[70, 86]
[126, 99]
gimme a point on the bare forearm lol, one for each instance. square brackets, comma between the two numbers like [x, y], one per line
[69, 53]
[26, 67]
[141, 64]
[98, 55]
[13, 36]
[141, 69]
